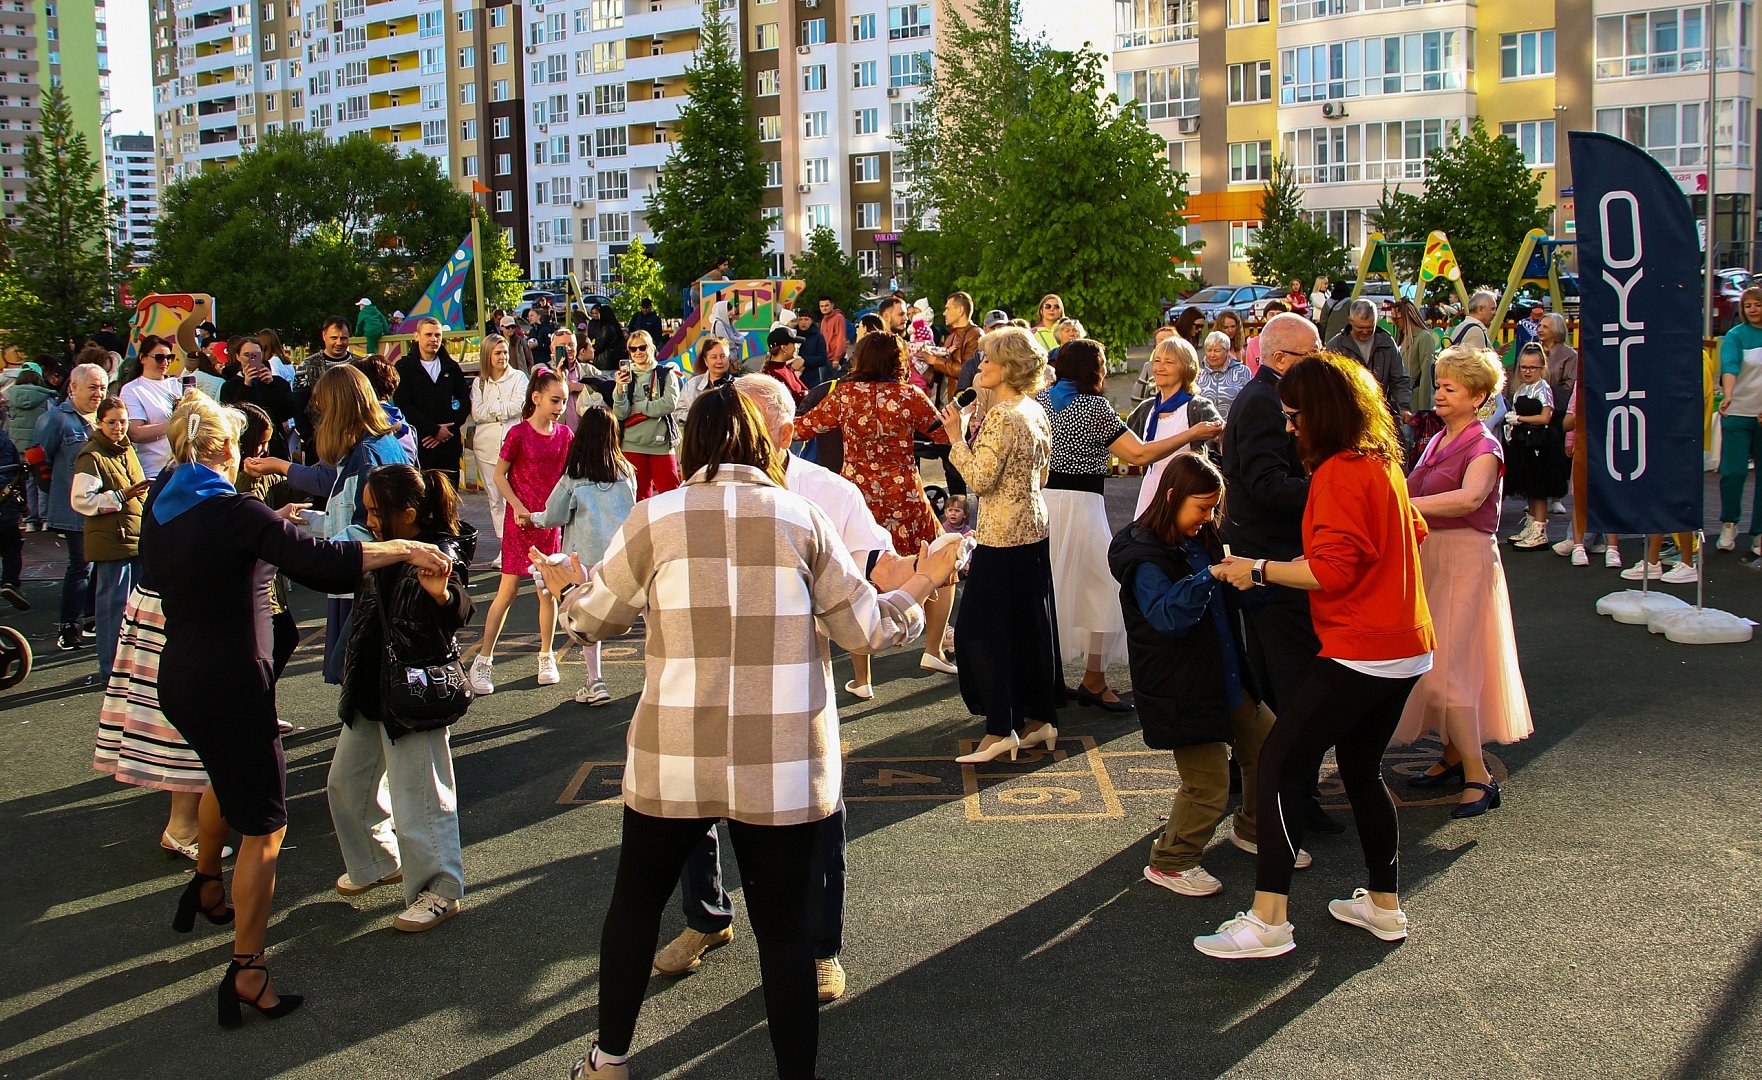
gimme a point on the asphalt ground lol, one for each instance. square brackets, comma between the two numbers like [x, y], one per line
[1604, 922]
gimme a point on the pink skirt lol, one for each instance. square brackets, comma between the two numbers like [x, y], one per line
[1474, 693]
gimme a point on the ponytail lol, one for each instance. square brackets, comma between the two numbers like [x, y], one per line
[439, 509]
[401, 487]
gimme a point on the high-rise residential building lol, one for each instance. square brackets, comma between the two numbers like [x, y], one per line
[1355, 94]
[46, 43]
[131, 174]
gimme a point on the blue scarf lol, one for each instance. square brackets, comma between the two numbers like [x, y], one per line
[1062, 393]
[191, 484]
[396, 416]
[1163, 408]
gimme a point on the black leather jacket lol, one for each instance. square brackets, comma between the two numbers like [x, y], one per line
[422, 631]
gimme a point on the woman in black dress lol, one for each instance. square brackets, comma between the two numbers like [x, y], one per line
[212, 553]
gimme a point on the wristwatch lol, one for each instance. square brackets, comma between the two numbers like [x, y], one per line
[1258, 573]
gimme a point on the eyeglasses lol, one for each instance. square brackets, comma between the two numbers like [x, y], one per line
[160, 355]
[639, 348]
[1291, 415]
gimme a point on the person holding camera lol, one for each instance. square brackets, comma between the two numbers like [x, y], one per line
[412, 614]
[644, 395]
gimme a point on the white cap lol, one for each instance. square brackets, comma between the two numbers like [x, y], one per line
[363, 302]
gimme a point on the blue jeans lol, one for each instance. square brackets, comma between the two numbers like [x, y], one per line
[708, 910]
[76, 581]
[112, 581]
[394, 804]
[1740, 446]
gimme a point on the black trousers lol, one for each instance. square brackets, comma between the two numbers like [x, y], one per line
[708, 910]
[1281, 643]
[774, 862]
[1355, 714]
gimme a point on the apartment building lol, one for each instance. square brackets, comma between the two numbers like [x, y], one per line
[1356, 93]
[46, 43]
[131, 174]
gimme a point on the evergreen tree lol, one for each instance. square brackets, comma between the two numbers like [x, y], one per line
[62, 272]
[1289, 245]
[641, 280]
[829, 271]
[706, 204]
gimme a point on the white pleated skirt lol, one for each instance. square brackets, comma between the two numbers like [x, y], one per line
[1083, 590]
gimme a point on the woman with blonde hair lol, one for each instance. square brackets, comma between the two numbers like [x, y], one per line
[644, 398]
[1228, 321]
[211, 552]
[498, 395]
[1474, 693]
[1052, 312]
[1176, 406]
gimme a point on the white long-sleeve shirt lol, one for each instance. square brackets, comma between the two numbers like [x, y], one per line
[500, 401]
[89, 498]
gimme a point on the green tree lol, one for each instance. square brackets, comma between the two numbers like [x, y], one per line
[1481, 193]
[706, 204]
[828, 270]
[1288, 244]
[61, 272]
[301, 227]
[641, 280]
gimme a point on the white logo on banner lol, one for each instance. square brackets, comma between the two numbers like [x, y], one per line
[1627, 423]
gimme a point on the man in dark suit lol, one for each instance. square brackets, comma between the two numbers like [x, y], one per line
[435, 399]
[1265, 491]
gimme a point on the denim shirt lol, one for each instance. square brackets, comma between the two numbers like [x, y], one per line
[61, 433]
[1176, 607]
[589, 513]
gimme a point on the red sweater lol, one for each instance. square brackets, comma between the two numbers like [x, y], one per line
[1361, 537]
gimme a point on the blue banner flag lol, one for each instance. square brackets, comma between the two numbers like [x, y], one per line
[1640, 384]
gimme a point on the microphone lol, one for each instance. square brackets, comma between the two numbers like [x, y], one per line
[961, 400]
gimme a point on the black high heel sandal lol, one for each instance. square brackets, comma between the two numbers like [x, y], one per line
[1431, 779]
[190, 903]
[231, 1015]
[1488, 801]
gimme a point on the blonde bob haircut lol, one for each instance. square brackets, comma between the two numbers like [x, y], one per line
[1180, 350]
[1019, 356]
[200, 428]
[348, 412]
[1477, 370]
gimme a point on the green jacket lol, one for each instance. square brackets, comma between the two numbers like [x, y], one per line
[371, 324]
[644, 411]
[114, 536]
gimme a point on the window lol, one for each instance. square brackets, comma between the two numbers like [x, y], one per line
[467, 21]
[1250, 12]
[866, 169]
[772, 218]
[428, 24]
[1675, 132]
[498, 53]
[1407, 64]
[862, 28]
[1528, 55]
[1534, 138]
[816, 171]
[504, 164]
[773, 174]
[468, 93]
[908, 21]
[1669, 41]
[770, 83]
[819, 216]
[867, 262]
[1162, 93]
[764, 36]
[502, 127]
[868, 215]
[1251, 83]
[606, 15]
[559, 149]
[903, 117]
[468, 56]
[468, 165]
[1396, 150]
[813, 32]
[1250, 162]
[354, 109]
[498, 16]
[433, 97]
[867, 122]
[1345, 226]
[1154, 22]
[813, 125]
[609, 99]
[608, 56]
[353, 73]
[498, 90]
[614, 184]
[770, 129]
[813, 78]
[353, 39]
[541, 153]
[908, 69]
[1291, 11]
[862, 75]
[611, 142]
[615, 227]
[1243, 235]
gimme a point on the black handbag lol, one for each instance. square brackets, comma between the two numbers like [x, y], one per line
[420, 697]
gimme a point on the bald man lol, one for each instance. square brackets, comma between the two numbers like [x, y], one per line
[1266, 489]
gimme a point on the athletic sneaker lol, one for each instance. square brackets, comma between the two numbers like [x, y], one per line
[481, 668]
[1194, 882]
[1644, 571]
[428, 912]
[1580, 557]
[1564, 547]
[1304, 859]
[11, 594]
[1555, 506]
[1612, 557]
[1361, 911]
[1247, 938]
[1681, 574]
[346, 885]
[1728, 536]
[547, 670]
[594, 693]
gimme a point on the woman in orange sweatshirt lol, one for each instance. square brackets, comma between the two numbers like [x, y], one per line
[1361, 564]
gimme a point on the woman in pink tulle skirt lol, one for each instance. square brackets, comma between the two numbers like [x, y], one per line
[1474, 693]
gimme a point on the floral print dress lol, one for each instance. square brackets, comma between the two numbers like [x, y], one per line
[878, 420]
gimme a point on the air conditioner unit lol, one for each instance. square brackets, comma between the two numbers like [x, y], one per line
[544, 127]
[538, 7]
[803, 50]
[531, 49]
[1334, 110]
[579, 203]
[1187, 125]
[803, 189]
[893, 91]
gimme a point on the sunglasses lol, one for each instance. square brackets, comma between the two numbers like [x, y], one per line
[639, 348]
[160, 355]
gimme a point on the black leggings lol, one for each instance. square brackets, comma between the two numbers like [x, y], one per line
[774, 861]
[1355, 714]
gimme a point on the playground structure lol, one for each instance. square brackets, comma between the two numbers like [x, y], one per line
[1436, 261]
[172, 316]
[1537, 263]
[743, 310]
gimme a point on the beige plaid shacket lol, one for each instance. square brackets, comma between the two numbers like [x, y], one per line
[740, 583]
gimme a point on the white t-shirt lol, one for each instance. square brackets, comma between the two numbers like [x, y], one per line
[843, 503]
[152, 402]
[1405, 668]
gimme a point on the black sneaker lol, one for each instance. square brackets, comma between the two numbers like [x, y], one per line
[70, 638]
[89, 627]
[11, 594]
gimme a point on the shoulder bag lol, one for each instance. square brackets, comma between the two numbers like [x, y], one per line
[420, 697]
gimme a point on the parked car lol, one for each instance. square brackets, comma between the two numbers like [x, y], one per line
[1728, 289]
[1569, 296]
[1249, 300]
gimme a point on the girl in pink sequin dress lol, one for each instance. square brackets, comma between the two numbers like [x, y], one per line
[532, 459]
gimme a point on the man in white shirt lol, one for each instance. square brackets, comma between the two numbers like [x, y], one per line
[1473, 332]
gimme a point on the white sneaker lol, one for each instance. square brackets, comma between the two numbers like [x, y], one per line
[1360, 911]
[1681, 574]
[1756, 547]
[1612, 557]
[1644, 571]
[547, 670]
[594, 693]
[1304, 859]
[481, 683]
[1555, 506]
[428, 912]
[1580, 557]
[1247, 938]
[1522, 530]
[1728, 536]
[1194, 882]
[345, 885]
[1564, 547]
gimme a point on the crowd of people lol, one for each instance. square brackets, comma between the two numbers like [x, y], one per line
[1313, 562]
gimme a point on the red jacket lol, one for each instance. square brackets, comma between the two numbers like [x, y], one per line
[787, 375]
[1361, 537]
